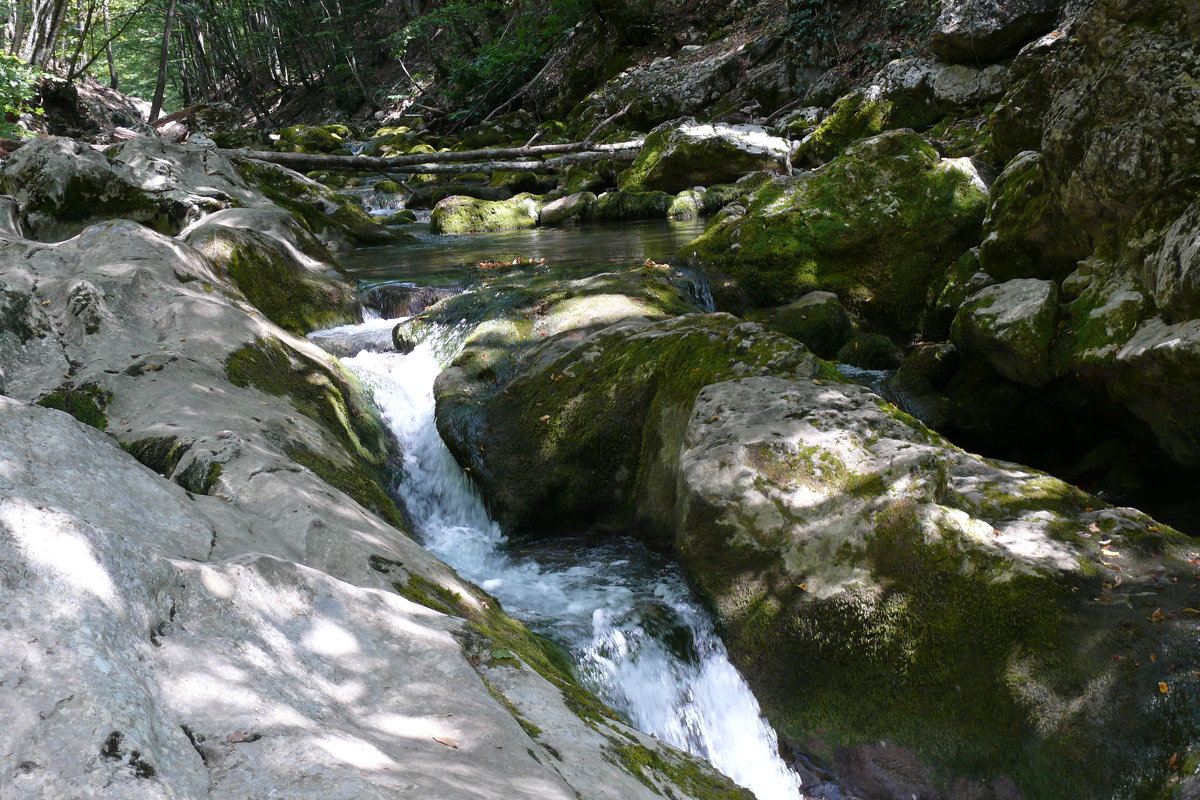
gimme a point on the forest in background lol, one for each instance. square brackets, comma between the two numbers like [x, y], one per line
[453, 62]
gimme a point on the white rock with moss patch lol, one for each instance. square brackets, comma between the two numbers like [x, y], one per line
[1011, 325]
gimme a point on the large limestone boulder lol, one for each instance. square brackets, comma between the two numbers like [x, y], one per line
[63, 185]
[1026, 233]
[461, 214]
[574, 429]
[1106, 204]
[1011, 326]
[256, 533]
[682, 154]
[570, 210]
[971, 31]
[817, 319]
[873, 579]
[876, 581]
[877, 225]
[139, 667]
[281, 268]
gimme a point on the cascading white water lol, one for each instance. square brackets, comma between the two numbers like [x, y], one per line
[638, 637]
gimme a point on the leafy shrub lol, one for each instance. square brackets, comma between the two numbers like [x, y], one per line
[17, 81]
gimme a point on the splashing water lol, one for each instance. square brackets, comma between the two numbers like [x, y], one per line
[629, 620]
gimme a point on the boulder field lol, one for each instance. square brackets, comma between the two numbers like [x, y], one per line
[204, 589]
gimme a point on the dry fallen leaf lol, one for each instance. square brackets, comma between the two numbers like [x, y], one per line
[1157, 616]
[1162, 687]
[1104, 551]
[1154, 656]
[449, 741]
[544, 418]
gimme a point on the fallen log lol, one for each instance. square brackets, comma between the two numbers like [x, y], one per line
[547, 165]
[308, 162]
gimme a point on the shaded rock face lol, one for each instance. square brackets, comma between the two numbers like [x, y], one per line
[817, 319]
[394, 300]
[978, 30]
[682, 154]
[1099, 196]
[878, 226]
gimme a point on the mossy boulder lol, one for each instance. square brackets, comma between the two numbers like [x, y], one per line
[574, 429]
[314, 139]
[1026, 234]
[405, 216]
[817, 319]
[1172, 272]
[461, 214]
[281, 268]
[876, 583]
[240, 139]
[870, 351]
[878, 226]
[623, 205]
[508, 311]
[1012, 326]
[859, 114]
[334, 218]
[570, 210]
[682, 154]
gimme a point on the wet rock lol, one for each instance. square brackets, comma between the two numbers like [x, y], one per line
[280, 267]
[570, 210]
[394, 300]
[561, 432]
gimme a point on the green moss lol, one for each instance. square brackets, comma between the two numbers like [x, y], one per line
[329, 395]
[361, 484]
[306, 200]
[461, 214]
[627, 205]
[276, 283]
[313, 139]
[86, 403]
[656, 772]
[851, 118]
[877, 225]
[159, 453]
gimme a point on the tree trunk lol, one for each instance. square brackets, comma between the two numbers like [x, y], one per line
[164, 53]
[407, 165]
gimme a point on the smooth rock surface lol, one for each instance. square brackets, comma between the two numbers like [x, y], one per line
[1011, 325]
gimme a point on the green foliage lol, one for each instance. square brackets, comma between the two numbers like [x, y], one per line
[484, 51]
[17, 80]
[811, 22]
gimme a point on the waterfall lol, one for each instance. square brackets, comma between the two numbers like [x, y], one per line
[638, 636]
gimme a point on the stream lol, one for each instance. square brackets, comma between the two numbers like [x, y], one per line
[634, 628]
